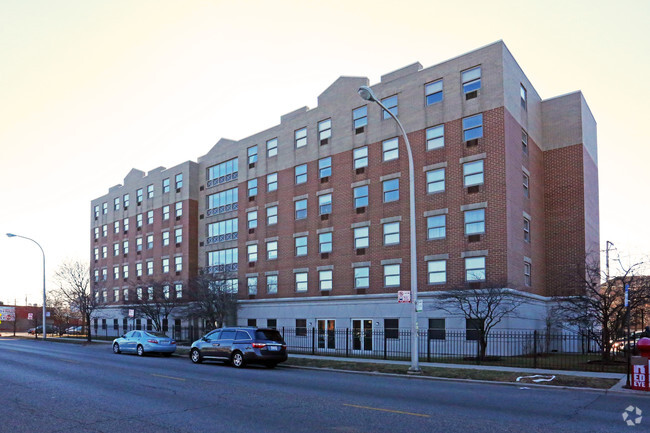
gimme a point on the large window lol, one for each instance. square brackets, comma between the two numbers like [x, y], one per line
[165, 185]
[165, 238]
[325, 204]
[390, 149]
[325, 167]
[301, 245]
[251, 251]
[436, 181]
[179, 181]
[471, 79]
[220, 202]
[360, 157]
[391, 233]
[301, 173]
[362, 277]
[473, 173]
[325, 242]
[473, 127]
[325, 280]
[271, 215]
[222, 231]
[391, 190]
[391, 105]
[324, 130]
[391, 275]
[436, 137]
[437, 329]
[437, 270]
[271, 147]
[361, 196]
[271, 182]
[271, 284]
[150, 191]
[252, 155]
[252, 188]
[224, 172]
[272, 250]
[436, 226]
[300, 137]
[433, 92]
[139, 195]
[361, 237]
[360, 118]
[301, 209]
[475, 222]
[301, 281]
[474, 269]
[251, 282]
[223, 257]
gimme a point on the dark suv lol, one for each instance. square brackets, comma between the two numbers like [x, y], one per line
[241, 345]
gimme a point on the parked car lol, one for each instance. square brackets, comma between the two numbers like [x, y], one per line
[621, 344]
[74, 330]
[240, 346]
[51, 329]
[141, 342]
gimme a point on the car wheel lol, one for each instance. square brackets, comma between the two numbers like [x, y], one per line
[237, 360]
[195, 356]
[116, 348]
[271, 365]
[140, 350]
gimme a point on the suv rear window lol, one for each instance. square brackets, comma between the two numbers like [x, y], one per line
[268, 334]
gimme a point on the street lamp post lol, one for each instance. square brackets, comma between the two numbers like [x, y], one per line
[11, 235]
[366, 93]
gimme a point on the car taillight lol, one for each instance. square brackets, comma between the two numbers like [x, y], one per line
[284, 346]
[259, 345]
[173, 342]
[153, 341]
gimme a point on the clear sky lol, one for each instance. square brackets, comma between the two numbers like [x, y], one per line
[90, 89]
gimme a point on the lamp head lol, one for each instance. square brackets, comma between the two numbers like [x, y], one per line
[366, 93]
[10, 235]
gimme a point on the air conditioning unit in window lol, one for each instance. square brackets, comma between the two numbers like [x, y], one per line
[474, 238]
[251, 165]
[361, 291]
[324, 141]
[201, 188]
[360, 130]
[324, 179]
[324, 292]
[201, 216]
[324, 255]
[475, 286]
[472, 142]
[178, 245]
[361, 170]
[473, 189]
[471, 95]
[201, 244]
[178, 218]
[251, 231]
[178, 272]
[252, 198]
[178, 190]
[361, 210]
[251, 264]
[125, 254]
[250, 296]
[324, 217]
[361, 251]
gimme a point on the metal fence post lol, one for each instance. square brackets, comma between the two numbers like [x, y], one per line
[385, 346]
[535, 348]
[347, 342]
[313, 341]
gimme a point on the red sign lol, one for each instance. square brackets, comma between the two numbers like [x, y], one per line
[403, 296]
[30, 316]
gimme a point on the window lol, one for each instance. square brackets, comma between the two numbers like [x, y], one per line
[125, 223]
[436, 137]
[524, 97]
[436, 181]
[272, 147]
[474, 222]
[138, 269]
[104, 252]
[325, 167]
[252, 187]
[149, 297]
[391, 233]
[150, 191]
[251, 251]
[165, 292]
[165, 185]
[224, 201]
[360, 118]
[251, 217]
[437, 329]
[251, 283]
[116, 298]
[125, 246]
[178, 234]
[475, 269]
[301, 173]
[271, 215]
[149, 267]
[116, 272]
[361, 237]
[362, 277]
[527, 280]
[472, 327]
[325, 242]
[126, 201]
[391, 275]
[361, 196]
[179, 181]
[125, 273]
[272, 250]
[104, 230]
[222, 231]
[325, 280]
[165, 266]
[225, 258]
[391, 104]
[301, 209]
[436, 226]
[96, 230]
[473, 127]
[524, 141]
[165, 212]
[271, 284]
[96, 212]
[301, 327]
[178, 288]
[324, 130]
[300, 137]
[391, 328]
[252, 156]
[391, 190]
[96, 253]
[272, 182]
[150, 217]
[526, 189]
[223, 172]
[179, 208]
[473, 173]
[139, 196]
[138, 220]
[301, 245]
[325, 204]
[149, 242]
[471, 79]
[526, 230]
[437, 271]
[433, 92]
[116, 249]
[104, 274]
[138, 244]
[104, 208]
[116, 226]
[125, 296]
[178, 263]
[390, 149]
[361, 157]
[301, 281]
[116, 203]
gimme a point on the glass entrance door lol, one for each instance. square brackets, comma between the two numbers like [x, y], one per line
[362, 334]
[326, 334]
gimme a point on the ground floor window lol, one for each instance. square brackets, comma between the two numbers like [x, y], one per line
[391, 328]
[437, 329]
[326, 334]
[301, 327]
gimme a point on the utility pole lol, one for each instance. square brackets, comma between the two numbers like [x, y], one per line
[607, 244]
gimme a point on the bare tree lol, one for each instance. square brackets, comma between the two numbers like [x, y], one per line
[598, 307]
[483, 308]
[60, 312]
[154, 300]
[212, 299]
[73, 278]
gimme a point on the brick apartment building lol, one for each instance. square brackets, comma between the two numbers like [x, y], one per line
[308, 220]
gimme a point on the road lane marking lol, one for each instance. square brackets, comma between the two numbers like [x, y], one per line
[169, 377]
[388, 410]
[69, 360]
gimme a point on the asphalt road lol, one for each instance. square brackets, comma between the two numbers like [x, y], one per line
[56, 387]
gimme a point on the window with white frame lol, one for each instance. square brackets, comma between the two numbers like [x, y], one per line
[251, 217]
[325, 204]
[179, 181]
[324, 130]
[125, 272]
[116, 298]
[116, 203]
[390, 149]
[527, 270]
[126, 200]
[301, 245]
[361, 196]
[391, 233]
[362, 277]
[96, 253]
[125, 294]
[166, 291]
[165, 238]
[300, 174]
[116, 272]
[104, 208]
[436, 181]
[96, 230]
[251, 251]
[391, 105]
[150, 217]
[179, 208]
[391, 275]
[272, 182]
[138, 292]
[473, 173]
[271, 284]
[325, 167]
[301, 209]
[116, 249]
[149, 267]
[391, 190]
[178, 288]
[437, 271]
[150, 191]
[526, 189]
[301, 281]
[524, 141]
[360, 117]
[104, 252]
[272, 250]
[96, 211]
[523, 94]
[116, 226]
[125, 247]
[435, 137]
[436, 226]
[325, 279]
[252, 187]
[475, 269]
[178, 235]
[149, 242]
[139, 195]
[473, 127]
[325, 242]
[474, 222]
[138, 244]
[361, 237]
[271, 147]
[433, 92]
[96, 275]
[165, 185]
[178, 263]
[165, 265]
[271, 215]
[300, 137]
[526, 229]
[104, 274]
[252, 155]
[138, 220]
[138, 269]
[125, 224]
[360, 155]
[471, 79]
[251, 283]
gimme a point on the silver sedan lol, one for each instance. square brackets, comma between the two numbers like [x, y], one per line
[141, 342]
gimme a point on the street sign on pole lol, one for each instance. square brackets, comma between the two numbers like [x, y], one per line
[419, 306]
[131, 313]
[403, 296]
[30, 316]
[627, 295]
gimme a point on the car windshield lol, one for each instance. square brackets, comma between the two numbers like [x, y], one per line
[157, 334]
[268, 334]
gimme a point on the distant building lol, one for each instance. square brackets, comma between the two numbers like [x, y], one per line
[308, 220]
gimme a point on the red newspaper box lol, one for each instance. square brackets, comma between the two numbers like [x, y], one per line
[641, 366]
